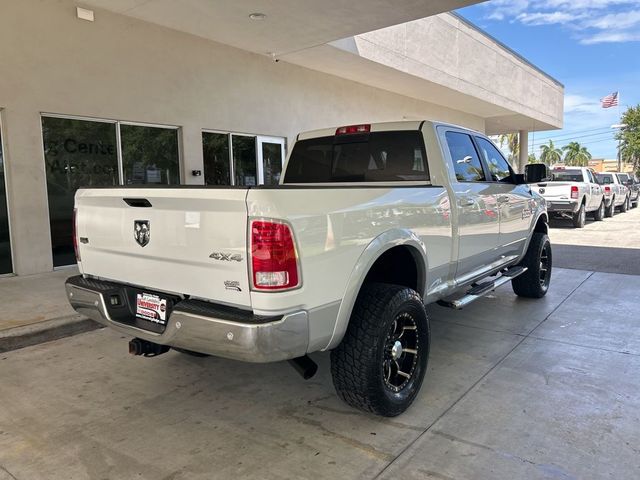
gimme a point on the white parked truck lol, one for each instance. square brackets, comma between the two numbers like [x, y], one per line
[369, 224]
[616, 195]
[573, 192]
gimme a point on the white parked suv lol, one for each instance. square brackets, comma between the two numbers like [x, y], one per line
[370, 222]
[573, 192]
[616, 195]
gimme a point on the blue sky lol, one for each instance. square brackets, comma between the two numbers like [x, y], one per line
[591, 46]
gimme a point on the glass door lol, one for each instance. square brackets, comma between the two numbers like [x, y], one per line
[6, 265]
[270, 159]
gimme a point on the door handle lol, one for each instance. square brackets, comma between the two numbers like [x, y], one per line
[503, 199]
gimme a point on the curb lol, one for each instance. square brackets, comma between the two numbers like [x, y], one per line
[36, 333]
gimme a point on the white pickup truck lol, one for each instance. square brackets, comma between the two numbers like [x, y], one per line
[369, 223]
[573, 192]
[616, 195]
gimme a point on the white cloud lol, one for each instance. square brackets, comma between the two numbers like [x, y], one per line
[580, 104]
[593, 19]
[616, 20]
[611, 37]
[539, 18]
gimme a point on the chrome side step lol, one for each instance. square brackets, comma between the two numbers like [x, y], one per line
[479, 290]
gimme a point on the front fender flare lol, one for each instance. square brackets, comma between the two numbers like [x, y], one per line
[382, 243]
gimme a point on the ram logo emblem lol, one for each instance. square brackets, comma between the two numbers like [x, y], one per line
[142, 232]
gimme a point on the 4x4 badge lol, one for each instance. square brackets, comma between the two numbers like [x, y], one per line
[142, 232]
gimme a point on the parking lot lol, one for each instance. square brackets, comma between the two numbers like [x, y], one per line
[516, 388]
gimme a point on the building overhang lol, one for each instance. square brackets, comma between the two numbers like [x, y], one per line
[408, 47]
[446, 61]
[288, 26]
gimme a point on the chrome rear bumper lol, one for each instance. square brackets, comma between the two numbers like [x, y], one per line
[283, 338]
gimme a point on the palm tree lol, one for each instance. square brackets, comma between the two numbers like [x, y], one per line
[512, 140]
[576, 154]
[549, 154]
[532, 158]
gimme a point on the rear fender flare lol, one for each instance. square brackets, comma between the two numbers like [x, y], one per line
[373, 251]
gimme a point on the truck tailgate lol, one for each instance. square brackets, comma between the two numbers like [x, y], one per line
[196, 244]
[554, 190]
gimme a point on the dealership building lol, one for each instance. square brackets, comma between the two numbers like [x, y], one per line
[207, 92]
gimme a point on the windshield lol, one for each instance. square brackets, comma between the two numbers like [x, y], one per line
[372, 157]
[567, 176]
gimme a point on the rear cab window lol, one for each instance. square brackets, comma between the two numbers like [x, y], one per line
[605, 178]
[389, 156]
[567, 175]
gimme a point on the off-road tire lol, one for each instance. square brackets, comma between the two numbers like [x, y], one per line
[190, 352]
[534, 283]
[598, 215]
[359, 364]
[611, 210]
[580, 217]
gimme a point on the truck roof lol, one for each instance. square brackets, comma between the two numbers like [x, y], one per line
[376, 127]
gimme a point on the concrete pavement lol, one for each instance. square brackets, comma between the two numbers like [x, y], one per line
[35, 310]
[515, 389]
[612, 245]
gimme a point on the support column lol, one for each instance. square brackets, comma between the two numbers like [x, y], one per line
[523, 139]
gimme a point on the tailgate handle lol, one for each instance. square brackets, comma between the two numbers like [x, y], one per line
[138, 202]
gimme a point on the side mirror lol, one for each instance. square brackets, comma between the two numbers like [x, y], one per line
[536, 173]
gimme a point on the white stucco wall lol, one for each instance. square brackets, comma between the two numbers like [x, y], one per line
[124, 69]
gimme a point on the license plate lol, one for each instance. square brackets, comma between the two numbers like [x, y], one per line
[152, 308]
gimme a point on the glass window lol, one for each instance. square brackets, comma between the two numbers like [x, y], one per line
[465, 158]
[271, 162]
[150, 155]
[375, 157]
[498, 166]
[215, 150]
[5, 242]
[604, 178]
[244, 160]
[589, 177]
[77, 153]
[567, 175]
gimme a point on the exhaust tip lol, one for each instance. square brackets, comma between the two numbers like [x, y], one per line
[138, 346]
[306, 367]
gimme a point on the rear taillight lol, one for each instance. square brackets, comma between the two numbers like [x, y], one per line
[607, 190]
[74, 232]
[353, 129]
[574, 192]
[274, 261]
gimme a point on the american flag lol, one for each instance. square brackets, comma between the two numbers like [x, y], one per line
[610, 100]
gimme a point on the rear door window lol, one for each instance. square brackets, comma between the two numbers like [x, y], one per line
[466, 162]
[393, 156]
